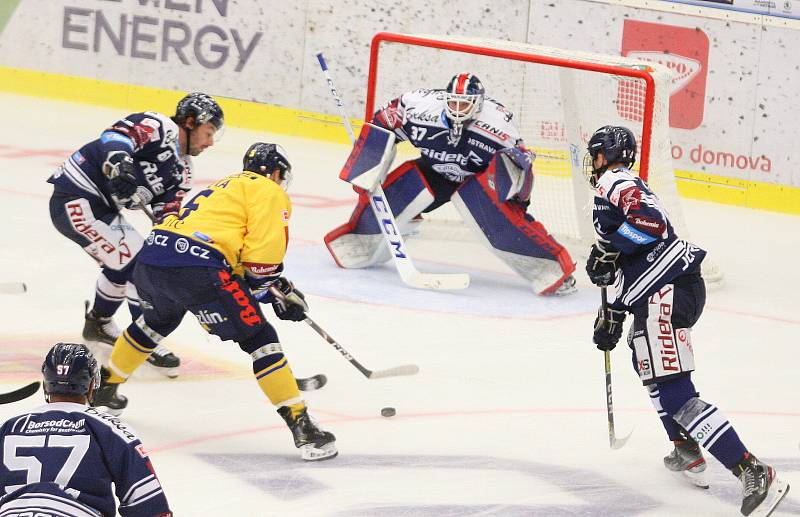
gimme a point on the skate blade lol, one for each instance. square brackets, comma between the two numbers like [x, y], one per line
[777, 491]
[310, 452]
[699, 479]
[171, 373]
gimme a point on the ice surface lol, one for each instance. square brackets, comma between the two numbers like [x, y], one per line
[507, 415]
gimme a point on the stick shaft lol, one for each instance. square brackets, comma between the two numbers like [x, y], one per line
[339, 103]
[607, 358]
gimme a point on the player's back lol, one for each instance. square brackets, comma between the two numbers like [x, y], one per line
[235, 215]
[83, 451]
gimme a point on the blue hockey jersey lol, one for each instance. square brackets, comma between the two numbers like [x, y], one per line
[84, 451]
[419, 117]
[150, 138]
[629, 217]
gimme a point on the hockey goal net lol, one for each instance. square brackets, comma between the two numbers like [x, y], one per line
[559, 98]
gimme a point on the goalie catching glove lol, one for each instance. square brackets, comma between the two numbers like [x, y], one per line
[602, 264]
[608, 328]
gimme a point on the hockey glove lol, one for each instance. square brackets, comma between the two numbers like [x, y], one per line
[121, 174]
[292, 305]
[162, 210]
[608, 328]
[602, 264]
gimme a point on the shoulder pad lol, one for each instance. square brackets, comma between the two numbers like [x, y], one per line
[114, 424]
[423, 107]
[612, 181]
[494, 122]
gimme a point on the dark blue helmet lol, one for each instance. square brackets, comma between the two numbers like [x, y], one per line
[263, 158]
[617, 143]
[202, 108]
[69, 369]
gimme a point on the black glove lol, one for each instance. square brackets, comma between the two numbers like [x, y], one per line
[602, 264]
[292, 305]
[121, 174]
[608, 328]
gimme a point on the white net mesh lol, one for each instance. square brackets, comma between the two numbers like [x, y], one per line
[559, 98]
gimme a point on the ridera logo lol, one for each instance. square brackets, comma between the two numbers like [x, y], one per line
[684, 50]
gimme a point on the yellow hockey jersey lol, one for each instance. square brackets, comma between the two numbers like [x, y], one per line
[243, 217]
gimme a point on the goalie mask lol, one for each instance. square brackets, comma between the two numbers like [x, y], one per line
[70, 369]
[264, 159]
[463, 101]
[618, 145]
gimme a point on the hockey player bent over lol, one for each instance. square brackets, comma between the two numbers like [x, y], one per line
[61, 458]
[143, 158]
[217, 259]
[471, 154]
[658, 281]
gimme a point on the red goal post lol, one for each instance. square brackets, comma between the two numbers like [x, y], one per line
[531, 54]
[558, 98]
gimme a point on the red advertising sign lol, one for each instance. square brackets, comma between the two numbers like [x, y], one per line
[685, 51]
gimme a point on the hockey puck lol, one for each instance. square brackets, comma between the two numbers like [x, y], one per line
[388, 411]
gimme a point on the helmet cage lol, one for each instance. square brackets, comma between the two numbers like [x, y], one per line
[463, 98]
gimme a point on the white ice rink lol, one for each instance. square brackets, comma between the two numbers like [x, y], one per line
[507, 415]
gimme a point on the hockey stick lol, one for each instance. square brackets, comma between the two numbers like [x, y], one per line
[409, 274]
[13, 288]
[20, 394]
[406, 369]
[613, 441]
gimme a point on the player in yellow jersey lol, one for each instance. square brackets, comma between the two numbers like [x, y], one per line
[217, 258]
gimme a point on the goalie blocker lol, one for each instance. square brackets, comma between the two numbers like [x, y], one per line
[488, 203]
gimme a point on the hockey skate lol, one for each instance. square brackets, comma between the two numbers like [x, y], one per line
[568, 287]
[687, 460]
[99, 329]
[762, 490]
[314, 443]
[106, 395]
[103, 330]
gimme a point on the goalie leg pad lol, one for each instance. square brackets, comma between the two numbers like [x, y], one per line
[513, 235]
[359, 243]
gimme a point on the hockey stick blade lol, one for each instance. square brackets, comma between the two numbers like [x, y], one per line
[312, 383]
[619, 443]
[13, 288]
[433, 281]
[397, 371]
[20, 394]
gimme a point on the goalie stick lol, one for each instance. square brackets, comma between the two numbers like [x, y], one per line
[20, 394]
[406, 369]
[409, 274]
[13, 288]
[613, 441]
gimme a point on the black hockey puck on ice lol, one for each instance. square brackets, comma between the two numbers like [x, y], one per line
[388, 411]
